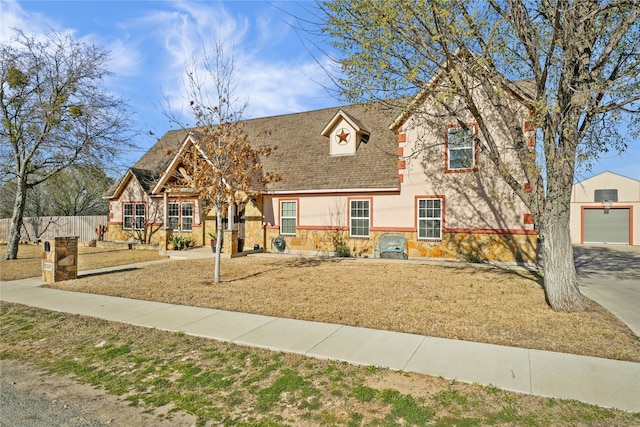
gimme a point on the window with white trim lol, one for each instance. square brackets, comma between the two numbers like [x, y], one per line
[133, 216]
[430, 219]
[187, 216]
[127, 216]
[359, 218]
[173, 216]
[288, 216]
[140, 216]
[461, 148]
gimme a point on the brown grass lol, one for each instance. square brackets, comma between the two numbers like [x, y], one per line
[29, 262]
[458, 301]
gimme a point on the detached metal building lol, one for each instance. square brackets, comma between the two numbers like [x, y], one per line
[605, 209]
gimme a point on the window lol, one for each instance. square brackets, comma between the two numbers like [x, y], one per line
[174, 215]
[359, 218]
[139, 218]
[288, 217]
[133, 216]
[461, 148]
[430, 219]
[128, 216]
[187, 216]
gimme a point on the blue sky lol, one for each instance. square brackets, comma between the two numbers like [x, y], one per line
[150, 41]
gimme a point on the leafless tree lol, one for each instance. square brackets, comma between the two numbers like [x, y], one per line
[55, 113]
[222, 163]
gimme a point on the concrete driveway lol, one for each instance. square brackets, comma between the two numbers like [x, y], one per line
[610, 275]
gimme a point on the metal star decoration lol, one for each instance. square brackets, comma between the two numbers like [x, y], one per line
[342, 136]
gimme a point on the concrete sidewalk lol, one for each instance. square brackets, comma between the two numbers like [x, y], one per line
[602, 382]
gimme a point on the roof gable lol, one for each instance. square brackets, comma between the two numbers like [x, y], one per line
[116, 189]
[345, 134]
[523, 91]
[142, 178]
[607, 176]
[152, 167]
[173, 164]
[301, 155]
[341, 115]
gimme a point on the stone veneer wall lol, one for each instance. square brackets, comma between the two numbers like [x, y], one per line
[159, 235]
[60, 262]
[116, 233]
[471, 246]
[521, 248]
[253, 229]
[253, 226]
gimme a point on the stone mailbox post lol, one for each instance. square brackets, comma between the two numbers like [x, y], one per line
[60, 259]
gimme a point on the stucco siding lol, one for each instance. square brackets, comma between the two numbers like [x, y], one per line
[583, 197]
[474, 199]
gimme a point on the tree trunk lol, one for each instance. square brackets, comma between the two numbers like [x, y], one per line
[220, 234]
[560, 278]
[16, 220]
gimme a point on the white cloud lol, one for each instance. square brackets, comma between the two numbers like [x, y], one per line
[282, 87]
[151, 46]
[179, 35]
[265, 77]
[13, 16]
[125, 58]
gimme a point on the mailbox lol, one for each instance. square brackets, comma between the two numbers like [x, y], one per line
[60, 259]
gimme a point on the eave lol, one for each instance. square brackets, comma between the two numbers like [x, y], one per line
[332, 191]
[341, 115]
[162, 182]
[124, 182]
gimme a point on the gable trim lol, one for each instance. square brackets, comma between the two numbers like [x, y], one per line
[121, 186]
[426, 92]
[124, 183]
[334, 191]
[341, 115]
[172, 165]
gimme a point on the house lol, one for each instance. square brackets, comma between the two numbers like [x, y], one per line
[606, 209]
[348, 175]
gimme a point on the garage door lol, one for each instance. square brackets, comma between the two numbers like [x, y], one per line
[601, 227]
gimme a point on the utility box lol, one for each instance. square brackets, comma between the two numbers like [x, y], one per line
[60, 259]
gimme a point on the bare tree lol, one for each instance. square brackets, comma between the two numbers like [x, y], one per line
[222, 162]
[55, 113]
[582, 58]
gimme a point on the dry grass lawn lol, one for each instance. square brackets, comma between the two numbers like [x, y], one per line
[29, 262]
[458, 301]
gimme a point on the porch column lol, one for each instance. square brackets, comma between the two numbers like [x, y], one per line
[231, 210]
[165, 218]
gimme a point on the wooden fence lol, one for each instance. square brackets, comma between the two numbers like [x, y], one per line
[48, 227]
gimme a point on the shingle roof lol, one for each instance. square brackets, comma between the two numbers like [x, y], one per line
[157, 159]
[302, 157]
[146, 178]
[149, 167]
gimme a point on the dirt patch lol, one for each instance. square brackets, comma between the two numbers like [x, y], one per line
[64, 401]
[460, 301]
